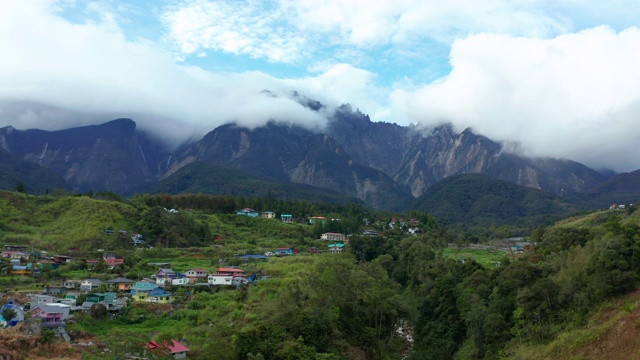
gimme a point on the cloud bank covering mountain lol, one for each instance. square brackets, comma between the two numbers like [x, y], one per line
[559, 79]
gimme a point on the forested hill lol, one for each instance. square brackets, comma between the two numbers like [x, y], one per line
[200, 177]
[481, 200]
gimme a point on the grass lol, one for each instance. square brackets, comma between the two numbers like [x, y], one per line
[487, 258]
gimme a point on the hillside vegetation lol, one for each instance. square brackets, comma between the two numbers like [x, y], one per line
[574, 287]
[480, 200]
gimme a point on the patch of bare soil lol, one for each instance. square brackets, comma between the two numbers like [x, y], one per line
[14, 344]
[621, 341]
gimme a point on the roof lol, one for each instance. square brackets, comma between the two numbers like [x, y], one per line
[114, 261]
[167, 271]
[198, 270]
[93, 281]
[284, 248]
[174, 347]
[253, 256]
[336, 245]
[143, 285]
[231, 270]
[120, 280]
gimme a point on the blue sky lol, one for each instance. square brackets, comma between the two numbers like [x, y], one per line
[556, 78]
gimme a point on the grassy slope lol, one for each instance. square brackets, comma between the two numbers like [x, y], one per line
[613, 332]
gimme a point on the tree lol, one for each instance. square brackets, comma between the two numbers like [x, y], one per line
[8, 314]
[98, 311]
[21, 188]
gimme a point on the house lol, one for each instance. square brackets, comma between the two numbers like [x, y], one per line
[122, 284]
[160, 296]
[285, 251]
[253, 257]
[61, 259]
[22, 248]
[71, 284]
[37, 299]
[219, 279]
[230, 271]
[90, 285]
[286, 218]
[19, 311]
[143, 291]
[330, 236]
[335, 248]
[166, 274]
[317, 219]
[175, 282]
[113, 262]
[176, 349]
[12, 254]
[268, 215]
[55, 290]
[21, 270]
[51, 314]
[239, 281]
[247, 212]
[196, 275]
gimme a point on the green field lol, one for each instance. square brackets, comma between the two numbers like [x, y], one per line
[487, 258]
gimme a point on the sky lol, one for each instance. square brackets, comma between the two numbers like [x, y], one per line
[557, 78]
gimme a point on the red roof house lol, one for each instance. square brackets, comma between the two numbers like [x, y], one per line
[178, 350]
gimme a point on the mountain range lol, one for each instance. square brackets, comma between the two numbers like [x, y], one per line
[384, 165]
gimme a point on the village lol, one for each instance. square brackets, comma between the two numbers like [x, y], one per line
[109, 292]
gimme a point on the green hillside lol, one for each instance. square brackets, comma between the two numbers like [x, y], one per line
[476, 199]
[35, 179]
[205, 178]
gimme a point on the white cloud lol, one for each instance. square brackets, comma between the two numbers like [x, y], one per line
[54, 74]
[236, 27]
[575, 96]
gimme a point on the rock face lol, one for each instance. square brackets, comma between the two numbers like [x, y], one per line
[418, 159]
[293, 154]
[385, 165]
[113, 156]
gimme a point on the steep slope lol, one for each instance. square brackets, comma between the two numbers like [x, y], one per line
[36, 179]
[293, 154]
[418, 158]
[621, 189]
[205, 178]
[482, 200]
[112, 156]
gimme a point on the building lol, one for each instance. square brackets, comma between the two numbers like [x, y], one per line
[329, 236]
[22, 248]
[176, 349]
[89, 285]
[120, 283]
[335, 248]
[61, 259]
[247, 212]
[12, 254]
[144, 291]
[51, 314]
[286, 218]
[285, 251]
[196, 275]
[71, 284]
[317, 219]
[230, 271]
[55, 290]
[219, 279]
[268, 215]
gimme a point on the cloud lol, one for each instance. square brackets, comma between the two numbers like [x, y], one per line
[575, 96]
[55, 74]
